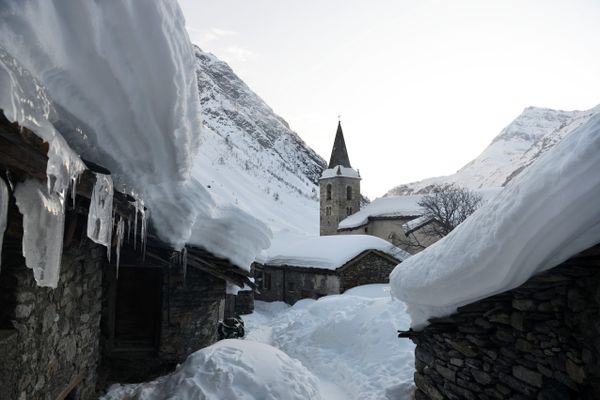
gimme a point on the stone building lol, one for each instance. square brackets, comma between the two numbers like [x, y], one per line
[339, 187]
[399, 220]
[537, 341]
[95, 327]
[325, 265]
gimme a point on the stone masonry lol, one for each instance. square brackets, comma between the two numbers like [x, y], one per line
[371, 268]
[539, 341]
[52, 348]
[339, 203]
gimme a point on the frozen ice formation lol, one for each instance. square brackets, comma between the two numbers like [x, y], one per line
[3, 212]
[43, 228]
[100, 222]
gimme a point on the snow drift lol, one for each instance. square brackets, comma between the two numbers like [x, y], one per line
[117, 80]
[545, 215]
[348, 341]
[229, 369]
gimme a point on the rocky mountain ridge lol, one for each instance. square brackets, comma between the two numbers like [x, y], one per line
[517, 146]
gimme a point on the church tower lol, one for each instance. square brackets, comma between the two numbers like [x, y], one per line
[339, 187]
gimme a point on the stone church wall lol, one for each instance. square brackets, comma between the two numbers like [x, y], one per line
[539, 341]
[371, 268]
[49, 341]
[390, 229]
[338, 202]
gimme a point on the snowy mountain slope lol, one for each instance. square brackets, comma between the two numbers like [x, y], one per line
[250, 156]
[522, 142]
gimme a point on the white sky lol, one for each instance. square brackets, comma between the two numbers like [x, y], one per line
[422, 86]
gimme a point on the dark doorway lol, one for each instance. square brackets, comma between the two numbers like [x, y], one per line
[138, 308]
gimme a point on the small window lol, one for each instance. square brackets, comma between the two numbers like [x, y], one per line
[290, 286]
[266, 281]
[348, 193]
[327, 210]
[348, 210]
[329, 191]
[366, 230]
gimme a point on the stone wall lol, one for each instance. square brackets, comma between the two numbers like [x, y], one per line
[238, 304]
[539, 341]
[186, 313]
[338, 203]
[390, 229]
[290, 284]
[52, 346]
[372, 268]
[191, 312]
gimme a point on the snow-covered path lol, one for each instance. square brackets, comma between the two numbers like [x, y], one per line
[347, 341]
[341, 347]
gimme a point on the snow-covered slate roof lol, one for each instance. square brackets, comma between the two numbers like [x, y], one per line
[547, 214]
[340, 171]
[331, 252]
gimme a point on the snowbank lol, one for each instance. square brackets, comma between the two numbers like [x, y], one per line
[347, 340]
[331, 252]
[117, 80]
[544, 216]
[229, 369]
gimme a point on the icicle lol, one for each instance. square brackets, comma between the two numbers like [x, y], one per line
[144, 233]
[74, 188]
[120, 235]
[128, 229]
[109, 247]
[43, 229]
[184, 263]
[3, 212]
[135, 227]
[62, 169]
[99, 224]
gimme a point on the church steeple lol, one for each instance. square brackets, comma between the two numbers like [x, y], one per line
[339, 188]
[339, 154]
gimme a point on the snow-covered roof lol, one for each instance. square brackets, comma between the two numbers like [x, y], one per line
[416, 223]
[547, 214]
[331, 252]
[396, 206]
[117, 85]
[399, 206]
[339, 170]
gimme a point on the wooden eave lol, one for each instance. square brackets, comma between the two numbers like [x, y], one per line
[24, 155]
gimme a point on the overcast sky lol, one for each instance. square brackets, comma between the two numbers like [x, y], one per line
[422, 86]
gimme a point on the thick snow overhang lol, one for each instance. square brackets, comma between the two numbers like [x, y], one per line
[23, 156]
[545, 215]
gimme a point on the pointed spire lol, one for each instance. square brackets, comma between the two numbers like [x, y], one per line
[339, 154]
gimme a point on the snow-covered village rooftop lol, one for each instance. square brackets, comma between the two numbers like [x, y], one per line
[544, 216]
[398, 206]
[331, 252]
